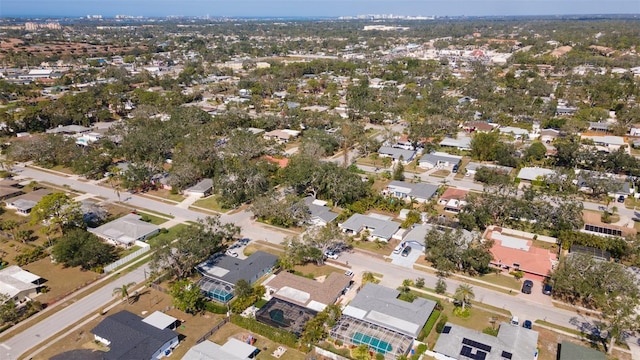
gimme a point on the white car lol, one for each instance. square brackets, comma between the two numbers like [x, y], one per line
[399, 248]
[331, 255]
[232, 253]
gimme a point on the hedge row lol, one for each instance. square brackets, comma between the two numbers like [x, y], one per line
[280, 336]
[426, 330]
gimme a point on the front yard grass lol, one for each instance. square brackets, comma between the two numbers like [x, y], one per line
[171, 234]
[155, 220]
[317, 271]
[210, 203]
[166, 194]
[378, 247]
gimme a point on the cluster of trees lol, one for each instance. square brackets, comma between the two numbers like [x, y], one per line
[316, 328]
[627, 250]
[608, 287]
[312, 245]
[245, 295]
[290, 211]
[193, 244]
[451, 251]
[500, 206]
[79, 247]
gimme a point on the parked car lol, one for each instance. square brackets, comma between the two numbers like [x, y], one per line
[515, 321]
[527, 286]
[348, 273]
[232, 253]
[406, 251]
[455, 168]
[331, 255]
[621, 199]
[527, 324]
[399, 248]
[546, 289]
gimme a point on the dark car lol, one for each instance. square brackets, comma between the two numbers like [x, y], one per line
[406, 251]
[527, 286]
[547, 289]
[527, 324]
[455, 168]
[620, 199]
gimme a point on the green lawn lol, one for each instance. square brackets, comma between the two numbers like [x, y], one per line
[502, 280]
[380, 247]
[211, 203]
[171, 234]
[155, 220]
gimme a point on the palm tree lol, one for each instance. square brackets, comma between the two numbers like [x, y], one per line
[124, 290]
[464, 294]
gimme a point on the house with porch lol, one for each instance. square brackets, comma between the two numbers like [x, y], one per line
[406, 191]
[126, 230]
[19, 285]
[396, 154]
[310, 293]
[511, 252]
[320, 213]
[439, 159]
[24, 203]
[378, 227]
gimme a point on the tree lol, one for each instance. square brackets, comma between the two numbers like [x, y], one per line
[464, 294]
[81, 248]
[398, 171]
[368, 277]
[485, 145]
[324, 238]
[187, 296]
[8, 309]
[243, 289]
[536, 151]
[59, 210]
[123, 291]
[193, 244]
[441, 286]
[361, 352]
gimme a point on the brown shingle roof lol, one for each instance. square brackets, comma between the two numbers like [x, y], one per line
[326, 292]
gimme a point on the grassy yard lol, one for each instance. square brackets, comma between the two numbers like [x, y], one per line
[501, 280]
[166, 194]
[171, 234]
[155, 220]
[440, 173]
[255, 246]
[266, 346]
[377, 247]
[316, 270]
[210, 203]
[193, 326]
[60, 280]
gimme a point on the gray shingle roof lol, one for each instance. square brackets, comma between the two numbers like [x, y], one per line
[126, 229]
[321, 212]
[383, 229]
[521, 343]
[202, 186]
[231, 269]
[380, 305]
[130, 337]
[395, 153]
[436, 158]
[417, 190]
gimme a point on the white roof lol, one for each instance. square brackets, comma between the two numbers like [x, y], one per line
[294, 294]
[14, 280]
[240, 349]
[159, 320]
[532, 173]
[18, 273]
[233, 349]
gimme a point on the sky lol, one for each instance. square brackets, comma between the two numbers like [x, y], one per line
[312, 8]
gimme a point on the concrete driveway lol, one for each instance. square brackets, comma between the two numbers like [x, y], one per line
[417, 250]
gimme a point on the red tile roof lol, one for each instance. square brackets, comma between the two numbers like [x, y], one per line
[535, 261]
[453, 193]
[282, 163]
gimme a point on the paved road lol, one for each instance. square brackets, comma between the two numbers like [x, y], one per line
[44, 329]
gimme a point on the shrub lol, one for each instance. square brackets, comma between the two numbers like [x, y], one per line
[280, 336]
[379, 356]
[420, 283]
[459, 312]
[441, 323]
[421, 349]
[339, 343]
[215, 308]
[490, 331]
[428, 326]
[28, 256]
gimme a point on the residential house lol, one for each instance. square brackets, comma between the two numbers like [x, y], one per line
[378, 227]
[221, 272]
[606, 143]
[512, 342]
[202, 188]
[472, 167]
[634, 130]
[404, 143]
[69, 130]
[593, 225]
[282, 136]
[439, 159]
[129, 337]
[600, 126]
[88, 138]
[518, 133]
[320, 213]
[377, 318]
[126, 230]
[462, 143]
[516, 253]
[534, 174]
[8, 189]
[419, 192]
[396, 154]
[477, 126]
[565, 110]
[418, 233]
[233, 349]
[453, 199]
[547, 136]
[24, 203]
[312, 294]
[18, 285]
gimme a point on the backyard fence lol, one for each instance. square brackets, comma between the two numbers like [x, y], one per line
[212, 331]
[126, 259]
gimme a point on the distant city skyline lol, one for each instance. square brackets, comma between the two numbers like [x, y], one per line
[312, 8]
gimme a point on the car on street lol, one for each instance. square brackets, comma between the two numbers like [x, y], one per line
[331, 255]
[349, 273]
[406, 251]
[546, 289]
[527, 324]
[527, 286]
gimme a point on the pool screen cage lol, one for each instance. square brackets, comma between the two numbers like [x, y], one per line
[216, 290]
[284, 315]
[354, 331]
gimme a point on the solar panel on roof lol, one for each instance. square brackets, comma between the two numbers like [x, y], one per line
[446, 329]
[506, 355]
[467, 352]
[476, 344]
